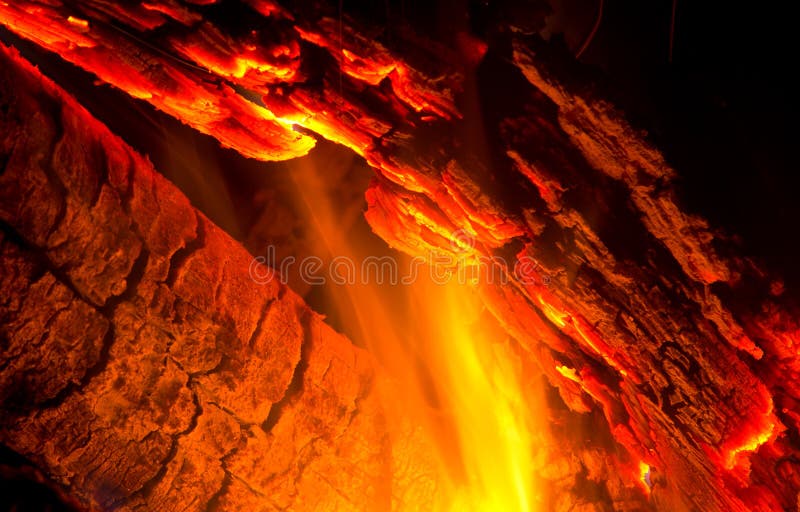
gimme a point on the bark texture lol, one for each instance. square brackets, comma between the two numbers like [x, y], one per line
[141, 367]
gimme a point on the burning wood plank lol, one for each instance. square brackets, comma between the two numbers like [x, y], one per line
[141, 365]
[188, 92]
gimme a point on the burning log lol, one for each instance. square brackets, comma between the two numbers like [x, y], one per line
[141, 365]
[636, 311]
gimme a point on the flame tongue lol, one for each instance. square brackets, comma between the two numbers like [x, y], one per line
[455, 373]
[479, 378]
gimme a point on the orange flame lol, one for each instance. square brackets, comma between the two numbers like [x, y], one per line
[454, 373]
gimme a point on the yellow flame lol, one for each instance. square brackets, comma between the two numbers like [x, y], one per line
[455, 377]
[477, 377]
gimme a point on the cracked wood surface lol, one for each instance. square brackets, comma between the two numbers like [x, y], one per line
[140, 366]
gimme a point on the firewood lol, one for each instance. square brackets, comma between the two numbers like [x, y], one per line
[141, 366]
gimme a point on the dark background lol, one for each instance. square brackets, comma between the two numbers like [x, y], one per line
[724, 110]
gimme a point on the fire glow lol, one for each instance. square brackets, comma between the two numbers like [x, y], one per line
[480, 416]
[662, 384]
[487, 460]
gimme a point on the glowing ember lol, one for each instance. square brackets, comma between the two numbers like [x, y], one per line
[569, 373]
[184, 93]
[644, 476]
[755, 433]
[78, 22]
